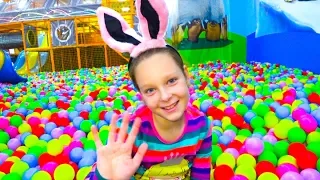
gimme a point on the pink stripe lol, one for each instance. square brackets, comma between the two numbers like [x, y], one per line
[201, 165]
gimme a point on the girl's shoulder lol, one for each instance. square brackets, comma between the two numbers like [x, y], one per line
[193, 112]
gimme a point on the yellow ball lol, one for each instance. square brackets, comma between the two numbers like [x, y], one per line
[247, 160]
[268, 176]
[247, 171]
[271, 120]
[54, 147]
[23, 149]
[46, 114]
[24, 127]
[240, 138]
[65, 139]
[13, 159]
[226, 159]
[313, 137]
[277, 95]
[287, 159]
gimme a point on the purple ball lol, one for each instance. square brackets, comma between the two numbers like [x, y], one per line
[286, 167]
[269, 138]
[3, 157]
[63, 114]
[291, 176]
[239, 177]
[233, 152]
[56, 133]
[310, 174]
[254, 146]
[230, 133]
[78, 135]
[14, 143]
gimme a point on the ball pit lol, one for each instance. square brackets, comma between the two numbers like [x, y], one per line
[265, 120]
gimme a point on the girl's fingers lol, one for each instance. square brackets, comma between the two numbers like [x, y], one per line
[96, 137]
[113, 129]
[134, 132]
[137, 159]
[124, 128]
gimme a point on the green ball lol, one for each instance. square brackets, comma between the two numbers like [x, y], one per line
[89, 144]
[104, 134]
[245, 132]
[257, 122]
[314, 147]
[262, 109]
[3, 147]
[118, 103]
[297, 134]
[9, 152]
[318, 165]
[94, 115]
[16, 120]
[85, 126]
[281, 148]
[268, 156]
[216, 102]
[260, 130]
[36, 150]
[216, 152]
[215, 139]
[4, 137]
[268, 146]
[232, 127]
[242, 109]
[11, 176]
[103, 94]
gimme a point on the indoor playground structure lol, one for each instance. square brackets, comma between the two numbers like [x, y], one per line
[254, 71]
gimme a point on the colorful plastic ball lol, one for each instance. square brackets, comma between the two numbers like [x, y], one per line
[14, 143]
[254, 146]
[268, 176]
[284, 168]
[239, 177]
[86, 161]
[83, 172]
[41, 175]
[282, 112]
[4, 137]
[296, 134]
[265, 166]
[247, 171]
[49, 167]
[291, 176]
[307, 160]
[310, 174]
[29, 173]
[247, 160]
[223, 172]
[76, 154]
[11, 176]
[308, 123]
[30, 159]
[281, 148]
[19, 167]
[54, 147]
[226, 159]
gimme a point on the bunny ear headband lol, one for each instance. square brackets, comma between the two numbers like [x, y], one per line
[153, 21]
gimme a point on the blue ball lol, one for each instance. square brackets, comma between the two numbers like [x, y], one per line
[204, 106]
[282, 112]
[218, 133]
[76, 154]
[87, 107]
[108, 116]
[73, 115]
[29, 173]
[275, 105]
[225, 140]
[99, 104]
[52, 105]
[30, 159]
[49, 127]
[77, 121]
[79, 107]
[23, 136]
[90, 153]
[45, 137]
[257, 135]
[86, 161]
[102, 123]
[248, 116]
[22, 111]
[216, 123]
[306, 107]
[248, 101]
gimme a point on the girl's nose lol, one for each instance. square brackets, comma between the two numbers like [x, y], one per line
[165, 95]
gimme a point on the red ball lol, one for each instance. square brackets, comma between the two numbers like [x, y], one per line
[18, 154]
[265, 166]
[84, 115]
[215, 113]
[62, 159]
[296, 149]
[64, 121]
[237, 120]
[235, 144]
[126, 104]
[74, 166]
[308, 160]
[38, 110]
[38, 130]
[314, 98]
[223, 172]
[102, 114]
[59, 104]
[45, 158]
[6, 166]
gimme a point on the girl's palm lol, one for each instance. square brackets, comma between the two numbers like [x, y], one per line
[114, 161]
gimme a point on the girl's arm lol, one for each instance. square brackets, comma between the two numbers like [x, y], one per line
[201, 167]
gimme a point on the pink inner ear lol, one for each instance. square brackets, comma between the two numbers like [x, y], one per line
[148, 44]
[161, 8]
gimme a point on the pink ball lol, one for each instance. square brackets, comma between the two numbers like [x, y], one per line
[34, 121]
[63, 114]
[284, 168]
[239, 177]
[50, 167]
[254, 146]
[297, 113]
[67, 150]
[229, 111]
[75, 144]
[12, 131]
[56, 133]
[291, 176]
[4, 123]
[289, 99]
[233, 152]
[70, 130]
[308, 123]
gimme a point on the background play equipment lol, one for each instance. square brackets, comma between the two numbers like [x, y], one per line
[7, 72]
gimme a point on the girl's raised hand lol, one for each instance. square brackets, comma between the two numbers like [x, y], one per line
[114, 160]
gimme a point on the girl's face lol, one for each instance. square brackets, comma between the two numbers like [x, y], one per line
[163, 87]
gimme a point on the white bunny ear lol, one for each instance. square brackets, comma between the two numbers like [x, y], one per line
[153, 16]
[116, 32]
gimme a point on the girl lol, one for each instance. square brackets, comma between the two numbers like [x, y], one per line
[167, 138]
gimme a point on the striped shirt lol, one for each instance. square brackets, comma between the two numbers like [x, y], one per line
[189, 157]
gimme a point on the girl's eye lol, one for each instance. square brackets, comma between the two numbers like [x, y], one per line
[172, 80]
[148, 91]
